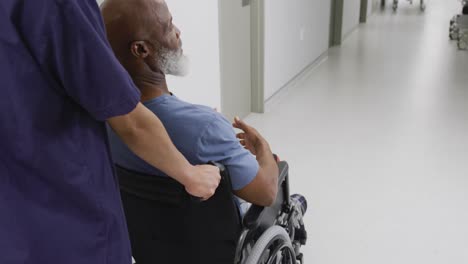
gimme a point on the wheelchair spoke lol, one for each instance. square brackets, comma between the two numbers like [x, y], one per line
[282, 255]
[273, 247]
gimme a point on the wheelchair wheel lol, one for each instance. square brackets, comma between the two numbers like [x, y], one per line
[454, 34]
[462, 45]
[463, 41]
[452, 21]
[273, 247]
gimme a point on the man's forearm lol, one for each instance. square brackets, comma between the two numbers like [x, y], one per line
[267, 162]
[146, 136]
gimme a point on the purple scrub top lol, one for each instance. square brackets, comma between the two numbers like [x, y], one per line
[59, 82]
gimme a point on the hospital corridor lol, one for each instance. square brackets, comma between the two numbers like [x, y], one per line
[376, 139]
[234, 132]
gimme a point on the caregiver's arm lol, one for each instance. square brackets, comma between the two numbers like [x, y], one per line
[146, 136]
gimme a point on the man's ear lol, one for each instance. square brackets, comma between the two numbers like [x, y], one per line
[140, 49]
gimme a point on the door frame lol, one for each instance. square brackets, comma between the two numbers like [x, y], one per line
[336, 23]
[363, 15]
[257, 53]
[257, 46]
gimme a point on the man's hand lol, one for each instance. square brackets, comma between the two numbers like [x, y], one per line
[249, 138]
[203, 181]
[264, 188]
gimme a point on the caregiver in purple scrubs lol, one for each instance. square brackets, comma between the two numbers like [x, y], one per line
[59, 84]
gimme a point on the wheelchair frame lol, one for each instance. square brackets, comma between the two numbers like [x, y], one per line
[267, 234]
[273, 234]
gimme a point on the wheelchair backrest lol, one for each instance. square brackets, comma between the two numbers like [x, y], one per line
[188, 219]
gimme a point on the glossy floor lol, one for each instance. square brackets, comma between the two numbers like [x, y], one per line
[377, 139]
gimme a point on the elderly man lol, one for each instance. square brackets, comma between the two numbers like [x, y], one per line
[149, 46]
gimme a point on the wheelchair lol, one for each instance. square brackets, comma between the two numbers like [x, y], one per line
[166, 225]
[459, 28]
[395, 4]
[273, 234]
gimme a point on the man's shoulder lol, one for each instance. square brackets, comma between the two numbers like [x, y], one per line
[181, 117]
[176, 108]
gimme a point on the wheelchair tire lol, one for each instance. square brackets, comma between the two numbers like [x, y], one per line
[272, 235]
[454, 34]
[462, 45]
[463, 41]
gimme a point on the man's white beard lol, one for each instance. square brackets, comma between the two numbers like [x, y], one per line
[174, 62]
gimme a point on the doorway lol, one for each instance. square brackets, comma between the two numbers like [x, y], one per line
[241, 56]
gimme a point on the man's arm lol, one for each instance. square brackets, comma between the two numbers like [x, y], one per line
[264, 188]
[146, 136]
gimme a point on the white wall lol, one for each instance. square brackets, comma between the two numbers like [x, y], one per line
[351, 14]
[286, 55]
[198, 22]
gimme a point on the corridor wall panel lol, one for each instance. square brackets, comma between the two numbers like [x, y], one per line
[296, 34]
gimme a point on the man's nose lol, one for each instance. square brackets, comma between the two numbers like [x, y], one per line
[178, 33]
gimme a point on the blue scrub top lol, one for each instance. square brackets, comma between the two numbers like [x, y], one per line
[59, 80]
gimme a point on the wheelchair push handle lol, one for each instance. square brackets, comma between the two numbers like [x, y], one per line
[219, 165]
[221, 168]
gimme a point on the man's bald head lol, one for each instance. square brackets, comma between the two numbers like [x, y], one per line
[133, 20]
[141, 31]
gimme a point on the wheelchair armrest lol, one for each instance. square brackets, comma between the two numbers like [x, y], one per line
[259, 216]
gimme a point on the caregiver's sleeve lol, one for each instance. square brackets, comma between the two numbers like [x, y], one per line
[75, 47]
